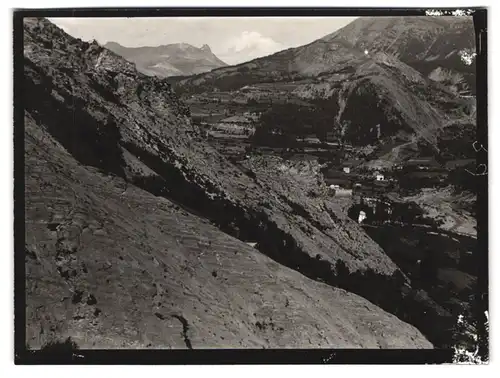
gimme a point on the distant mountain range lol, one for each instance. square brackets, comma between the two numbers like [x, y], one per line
[169, 60]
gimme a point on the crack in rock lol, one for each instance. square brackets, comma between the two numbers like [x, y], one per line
[185, 329]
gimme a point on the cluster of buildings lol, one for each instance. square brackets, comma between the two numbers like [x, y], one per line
[343, 182]
[419, 165]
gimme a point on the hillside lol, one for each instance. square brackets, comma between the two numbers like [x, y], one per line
[146, 226]
[169, 60]
[350, 112]
[359, 92]
[424, 43]
[287, 65]
[113, 266]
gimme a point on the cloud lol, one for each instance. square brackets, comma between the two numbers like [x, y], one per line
[247, 46]
[252, 40]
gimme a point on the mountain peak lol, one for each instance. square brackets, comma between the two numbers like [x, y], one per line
[206, 48]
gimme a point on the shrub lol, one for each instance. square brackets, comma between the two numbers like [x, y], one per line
[57, 346]
[55, 351]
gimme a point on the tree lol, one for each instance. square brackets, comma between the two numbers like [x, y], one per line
[468, 348]
[295, 120]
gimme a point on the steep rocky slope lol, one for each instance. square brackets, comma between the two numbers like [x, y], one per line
[169, 60]
[412, 39]
[85, 103]
[423, 42]
[113, 266]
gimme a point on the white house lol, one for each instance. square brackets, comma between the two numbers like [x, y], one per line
[362, 216]
[343, 192]
[379, 176]
[347, 170]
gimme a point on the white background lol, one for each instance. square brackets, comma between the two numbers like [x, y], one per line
[6, 217]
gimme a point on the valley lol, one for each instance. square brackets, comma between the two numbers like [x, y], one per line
[223, 209]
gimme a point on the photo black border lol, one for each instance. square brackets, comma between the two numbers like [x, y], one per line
[239, 356]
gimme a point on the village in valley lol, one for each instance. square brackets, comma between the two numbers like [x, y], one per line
[352, 176]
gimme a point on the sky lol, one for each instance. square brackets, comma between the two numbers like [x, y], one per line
[232, 39]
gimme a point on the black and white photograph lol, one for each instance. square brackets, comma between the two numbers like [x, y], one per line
[222, 186]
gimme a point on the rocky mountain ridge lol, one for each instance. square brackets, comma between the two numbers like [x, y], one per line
[396, 96]
[169, 60]
[423, 42]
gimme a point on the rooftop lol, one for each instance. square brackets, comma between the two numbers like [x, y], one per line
[422, 161]
[337, 181]
[351, 163]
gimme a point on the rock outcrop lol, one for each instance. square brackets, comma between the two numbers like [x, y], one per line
[177, 59]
